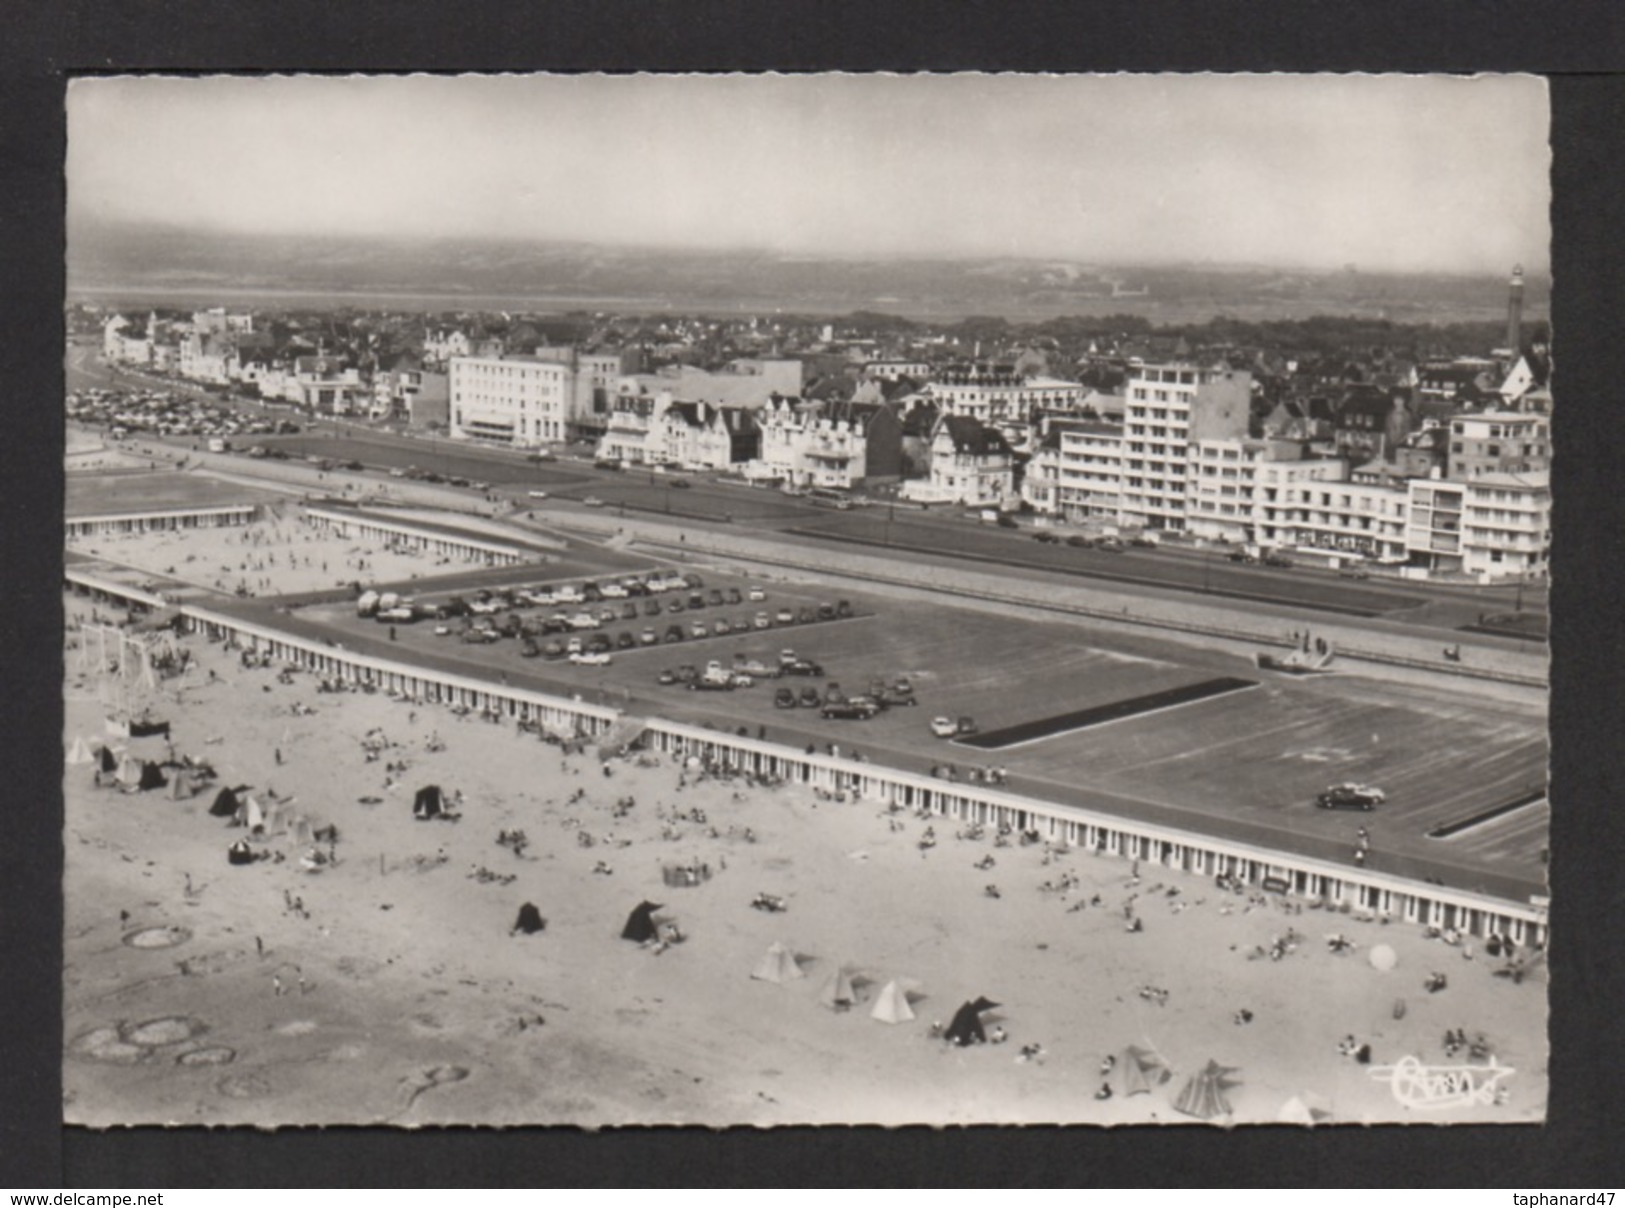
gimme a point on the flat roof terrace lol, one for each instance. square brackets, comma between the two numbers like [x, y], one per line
[155, 492]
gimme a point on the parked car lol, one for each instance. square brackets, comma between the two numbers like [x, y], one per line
[944, 727]
[811, 698]
[1046, 537]
[674, 633]
[1280, 560]
[693, 581]
[757, 593]
[553, 649]
[600, 643]
[714, 597]
[1113, 545]
[720, 626]
[625, 641]
[785, 617]
[698, 630]
[734, 596]
[843, 608]
[591, 658]
[651, 607]
[1006, 520]
[696, 600]
[681, 483]
[667, 676]
[1350, 797]
[592, 501]
[856, 709]
[648, 637]
[629, 611]
[1353, 572]
[807, 614]
[762, 620]
[1080, 541]
[1241, 555]
[784, 698]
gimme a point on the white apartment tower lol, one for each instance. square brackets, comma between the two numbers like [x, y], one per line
[1167, 408]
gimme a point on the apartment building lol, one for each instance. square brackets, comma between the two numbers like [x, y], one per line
[1166, 408]
[519, 401]
[838, 446]
[1314, 507]
[1498, 442]
[996, 395]
[1506, 524]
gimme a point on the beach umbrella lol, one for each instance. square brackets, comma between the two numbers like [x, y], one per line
[837, 991]
[1143, 1069]
[891, 1006]
[1204, 1095]
[1382, 957]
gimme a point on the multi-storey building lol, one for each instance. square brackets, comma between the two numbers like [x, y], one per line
[518, 401]
[1313, 506]
[1089, 479]
[1224, 488]
[837, 446]
[1168, 406]
[1498, 442]
[971, 464]
[891, 371]
[1506, 524]
[996, 395]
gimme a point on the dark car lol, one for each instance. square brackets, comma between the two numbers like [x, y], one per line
[696, 600]
[693, 581]
[1113, 545]
[600, 643]
[1280, 560]
[714, 597]
[1350, 797]
[674, 633]
[651, 607]
[629, 611]
[1047, 538]
[843, 608]
[625, 641]
[807, 614]
[681, 483]
[1007, 521]
[734, 596]
[675, 605]
[1354, 572]
[810, 698]
[1240, 555]
[826, 612]
[856, 709]
[801, 667]
[784, 698]
[1080, 541]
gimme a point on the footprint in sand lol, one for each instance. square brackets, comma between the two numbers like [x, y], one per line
[296, 1027]
[166, 1030]
[244, 1086]
[215, 1054]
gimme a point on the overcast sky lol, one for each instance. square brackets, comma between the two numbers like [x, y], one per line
[1386, 172]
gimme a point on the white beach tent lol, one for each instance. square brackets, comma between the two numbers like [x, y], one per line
[80, 752]
[1305, 1109]
[891, 1006]
[777, 965]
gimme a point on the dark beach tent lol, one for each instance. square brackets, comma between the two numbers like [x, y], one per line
[240, 853]
[530, 920]
[225, 804]
[1142, 1070]
[640, 924]
[109, 761]
[1204, 1095]
[429, 803]
[149, 729]
[966, 1027]
[152, 777]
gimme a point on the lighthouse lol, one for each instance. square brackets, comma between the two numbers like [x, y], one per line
[1515, 314]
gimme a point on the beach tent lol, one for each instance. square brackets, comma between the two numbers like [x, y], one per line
[1142, 1070]
[116, 727]
[149, 729]
[837, 992]
[253, 817]
[240, 853]
[640, 924]
[530, 920]
[1204, 1095]
[891, 1006]
[1382, 957]
[80, 752]
[966, 1027]
[777, 965]
[1306, 1109]
[225, 804]
[622, 736]
[109, 761]
[129, 773]
[428, 803]
[182, 785]
[152, 777]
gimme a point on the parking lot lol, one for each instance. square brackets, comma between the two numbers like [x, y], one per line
[1253, 760]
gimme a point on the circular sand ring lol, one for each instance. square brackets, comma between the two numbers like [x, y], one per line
[214, 1054]
[158, 937]
[244, 1086]
[105, 1044]
[165, 1030]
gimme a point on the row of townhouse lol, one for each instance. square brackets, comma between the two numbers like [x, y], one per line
[1181, 461]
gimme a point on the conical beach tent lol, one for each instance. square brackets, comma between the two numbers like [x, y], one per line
[225, 804]
[966, 1027]
[181, 785]
[640, 924]
[109, 761]
[152, 777]
[891, 1006]
[428, 803]
[129, 773]
[1306, 1109]
[1204, 1095]
[80, 752]
[837, 992]
[530, 920]
[777, 965]
[1142, 1070]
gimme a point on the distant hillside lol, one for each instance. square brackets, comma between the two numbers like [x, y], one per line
[184, 265]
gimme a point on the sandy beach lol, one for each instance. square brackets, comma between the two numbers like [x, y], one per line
[385, 987]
